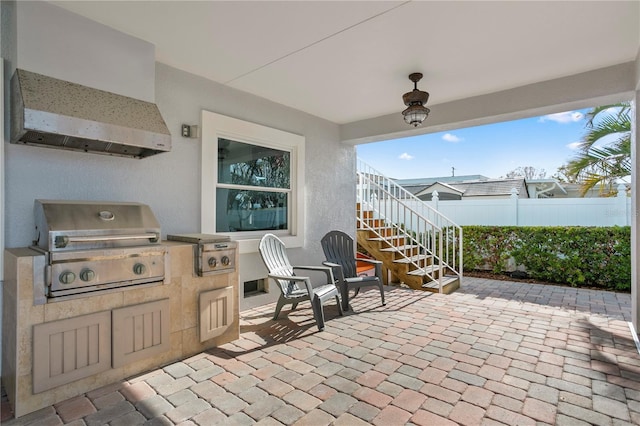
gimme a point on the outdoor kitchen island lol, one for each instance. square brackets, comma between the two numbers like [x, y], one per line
[84, 343]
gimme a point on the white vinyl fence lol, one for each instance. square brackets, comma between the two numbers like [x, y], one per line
[516, 211]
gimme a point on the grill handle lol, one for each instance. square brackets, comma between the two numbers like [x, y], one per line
[63, 240]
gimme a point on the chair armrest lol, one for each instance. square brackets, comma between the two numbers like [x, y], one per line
[311, 268]
[327, 270]
[337, 269]
[305, 280]
[287, 277]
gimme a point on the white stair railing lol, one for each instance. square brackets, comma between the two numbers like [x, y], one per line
[423, 228]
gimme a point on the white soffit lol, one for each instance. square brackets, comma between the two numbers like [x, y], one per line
[349, 61]
[223, 40]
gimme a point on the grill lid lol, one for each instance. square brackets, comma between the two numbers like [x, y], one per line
[73, 225]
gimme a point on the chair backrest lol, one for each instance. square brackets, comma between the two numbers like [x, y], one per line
[338, 248]
[274, 255]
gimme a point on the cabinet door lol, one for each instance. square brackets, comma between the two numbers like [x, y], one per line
[71, 349]
[140, 331]
[216, 312]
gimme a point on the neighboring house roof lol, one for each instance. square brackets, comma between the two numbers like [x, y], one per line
[414, 189]
[478, 188]
[443, 179]
[441, 187]
[491, 187]
[486, 187]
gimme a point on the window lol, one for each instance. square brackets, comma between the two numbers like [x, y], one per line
[252, 181]
[253, 187]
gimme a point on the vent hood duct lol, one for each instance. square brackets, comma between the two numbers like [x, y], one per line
[59, 114]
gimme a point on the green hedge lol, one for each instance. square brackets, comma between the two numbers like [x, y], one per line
[579, 256]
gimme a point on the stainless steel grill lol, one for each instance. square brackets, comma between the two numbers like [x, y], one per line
[94, 247]
[214, 254]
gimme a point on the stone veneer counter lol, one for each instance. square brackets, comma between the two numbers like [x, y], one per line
[181, 293]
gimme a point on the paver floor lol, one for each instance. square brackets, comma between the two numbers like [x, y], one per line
[492, 353]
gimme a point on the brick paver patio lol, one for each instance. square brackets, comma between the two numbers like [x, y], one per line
[492, 353]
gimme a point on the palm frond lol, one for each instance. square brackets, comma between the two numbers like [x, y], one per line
[621, 107]
[605, 150]
[606, 127]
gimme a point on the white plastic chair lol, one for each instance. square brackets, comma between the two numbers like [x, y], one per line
[293, 288]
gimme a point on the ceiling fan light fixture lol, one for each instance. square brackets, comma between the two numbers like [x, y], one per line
[415, 100]
[415, 115]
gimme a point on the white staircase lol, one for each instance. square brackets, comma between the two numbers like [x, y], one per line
[419, 247]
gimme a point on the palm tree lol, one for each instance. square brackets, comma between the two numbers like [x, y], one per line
[605, 150]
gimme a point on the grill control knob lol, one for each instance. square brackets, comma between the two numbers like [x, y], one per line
[87, 275]
[139, 269]
[225, 260]
[67, 277]
[212, 262]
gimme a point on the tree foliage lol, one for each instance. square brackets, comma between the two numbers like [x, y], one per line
[527, 172]
[563, 175]
[605, 150]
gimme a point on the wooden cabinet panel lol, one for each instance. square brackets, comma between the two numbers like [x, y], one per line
[70, 349]
[140, 331]
[216, 312]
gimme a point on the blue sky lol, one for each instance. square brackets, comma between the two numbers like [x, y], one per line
[492, 150]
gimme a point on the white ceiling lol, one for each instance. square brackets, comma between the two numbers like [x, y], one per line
[349, 61]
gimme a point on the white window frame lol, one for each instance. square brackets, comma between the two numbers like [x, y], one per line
[215, 126]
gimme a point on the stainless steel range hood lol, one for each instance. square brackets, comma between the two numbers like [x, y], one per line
[59, 114]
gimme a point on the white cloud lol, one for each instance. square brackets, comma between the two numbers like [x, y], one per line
[563, 117]
[574, 145]
[405, 156]
[451, 138]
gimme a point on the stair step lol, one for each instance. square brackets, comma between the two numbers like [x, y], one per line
[416, 258]
[449, 285]
[420, 272]
[383, 227]
[400, 248]
[392, 237]
[389, 238]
